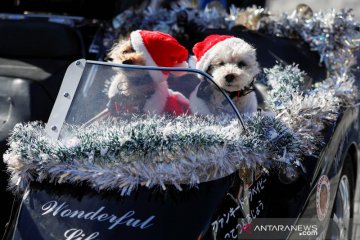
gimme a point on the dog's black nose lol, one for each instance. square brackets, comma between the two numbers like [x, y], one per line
[230, 77]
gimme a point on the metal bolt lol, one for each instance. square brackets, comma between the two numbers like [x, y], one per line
[78, 63]
[66, 94]
[53, 128]
[9, 100]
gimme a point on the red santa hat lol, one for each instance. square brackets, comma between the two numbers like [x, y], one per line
[211, 46]
[159, 49]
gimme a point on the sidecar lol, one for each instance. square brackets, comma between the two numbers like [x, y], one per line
[104, 168]
[113, 199]
[148, 175]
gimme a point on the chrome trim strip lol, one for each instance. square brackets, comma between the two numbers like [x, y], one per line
[65, 96]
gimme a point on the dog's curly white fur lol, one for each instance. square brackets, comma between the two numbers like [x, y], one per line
[232, 64]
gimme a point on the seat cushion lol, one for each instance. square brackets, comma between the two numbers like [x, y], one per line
[32, 69]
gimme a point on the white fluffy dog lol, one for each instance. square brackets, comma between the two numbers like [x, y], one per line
[232, 64]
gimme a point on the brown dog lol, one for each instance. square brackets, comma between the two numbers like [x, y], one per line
[147, 90]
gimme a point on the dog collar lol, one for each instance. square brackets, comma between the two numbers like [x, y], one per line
[243, 92]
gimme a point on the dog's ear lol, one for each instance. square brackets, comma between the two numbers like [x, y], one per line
[204, 90]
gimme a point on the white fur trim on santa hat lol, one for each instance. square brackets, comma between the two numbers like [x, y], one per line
[180, 65]
[192, 61]
[139, 46]
[205, 60]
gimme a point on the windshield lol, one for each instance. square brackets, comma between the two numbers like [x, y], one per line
[115, 93]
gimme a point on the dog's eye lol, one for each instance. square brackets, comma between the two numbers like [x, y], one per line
[108, 59]
[221, 64]
[241, 64]
[127, 61]
[129, 49]
[209, 69]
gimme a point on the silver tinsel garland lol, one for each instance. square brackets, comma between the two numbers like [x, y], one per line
[191, 149]
[150, 151]
[188, 149]
[304, 110]
[333, 34]
[175, 21]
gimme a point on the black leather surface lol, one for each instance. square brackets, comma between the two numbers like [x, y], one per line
[38, 39]
[87, 8]
[34, 56]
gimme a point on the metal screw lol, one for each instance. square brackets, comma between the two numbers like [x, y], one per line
[9, 100]
[78, 63]
[53, 128]
[66, 94]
